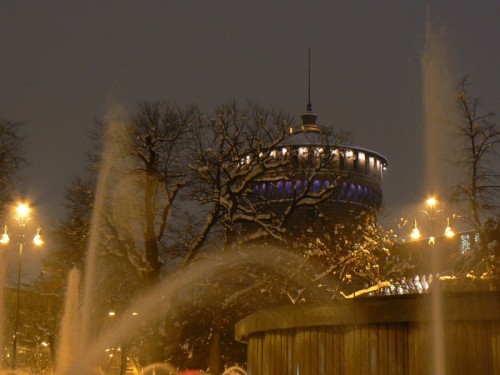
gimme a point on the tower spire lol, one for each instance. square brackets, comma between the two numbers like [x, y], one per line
[309, 105]
[309, 118]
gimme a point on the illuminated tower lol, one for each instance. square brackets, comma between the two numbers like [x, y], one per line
[355, 179]
[352, 176]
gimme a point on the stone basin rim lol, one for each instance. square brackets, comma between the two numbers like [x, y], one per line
[456, 306]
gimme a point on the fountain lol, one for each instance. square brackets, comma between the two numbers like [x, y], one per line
[379, 335]
[434, 333]
[79, 347]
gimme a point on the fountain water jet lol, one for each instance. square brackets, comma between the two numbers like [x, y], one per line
[115, 120]
[438, 109]
[68, 343]
[437, 90]
[182, 281]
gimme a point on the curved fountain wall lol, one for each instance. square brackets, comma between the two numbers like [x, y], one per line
[375, 335]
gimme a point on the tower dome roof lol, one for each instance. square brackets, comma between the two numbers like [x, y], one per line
[307, 133]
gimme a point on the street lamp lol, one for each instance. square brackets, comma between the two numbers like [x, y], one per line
[431, 216]
[22, 217]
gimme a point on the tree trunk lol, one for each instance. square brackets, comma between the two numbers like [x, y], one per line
[215, 359]
[153, 275]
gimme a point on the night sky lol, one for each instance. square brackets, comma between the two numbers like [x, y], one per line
[64, 63]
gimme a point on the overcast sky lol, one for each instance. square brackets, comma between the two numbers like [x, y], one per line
[63, 63]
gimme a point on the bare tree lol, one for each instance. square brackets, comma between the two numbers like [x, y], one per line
[479, 192]
[159, 141]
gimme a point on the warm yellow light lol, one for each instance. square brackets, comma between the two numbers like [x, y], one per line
[432, 240]
[415, 233]
[5, 239]
[22, 210]
[37, 240]
[431, 202]
[111, 313]
[448, 232]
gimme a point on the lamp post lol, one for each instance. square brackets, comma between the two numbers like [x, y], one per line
[22, 217]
